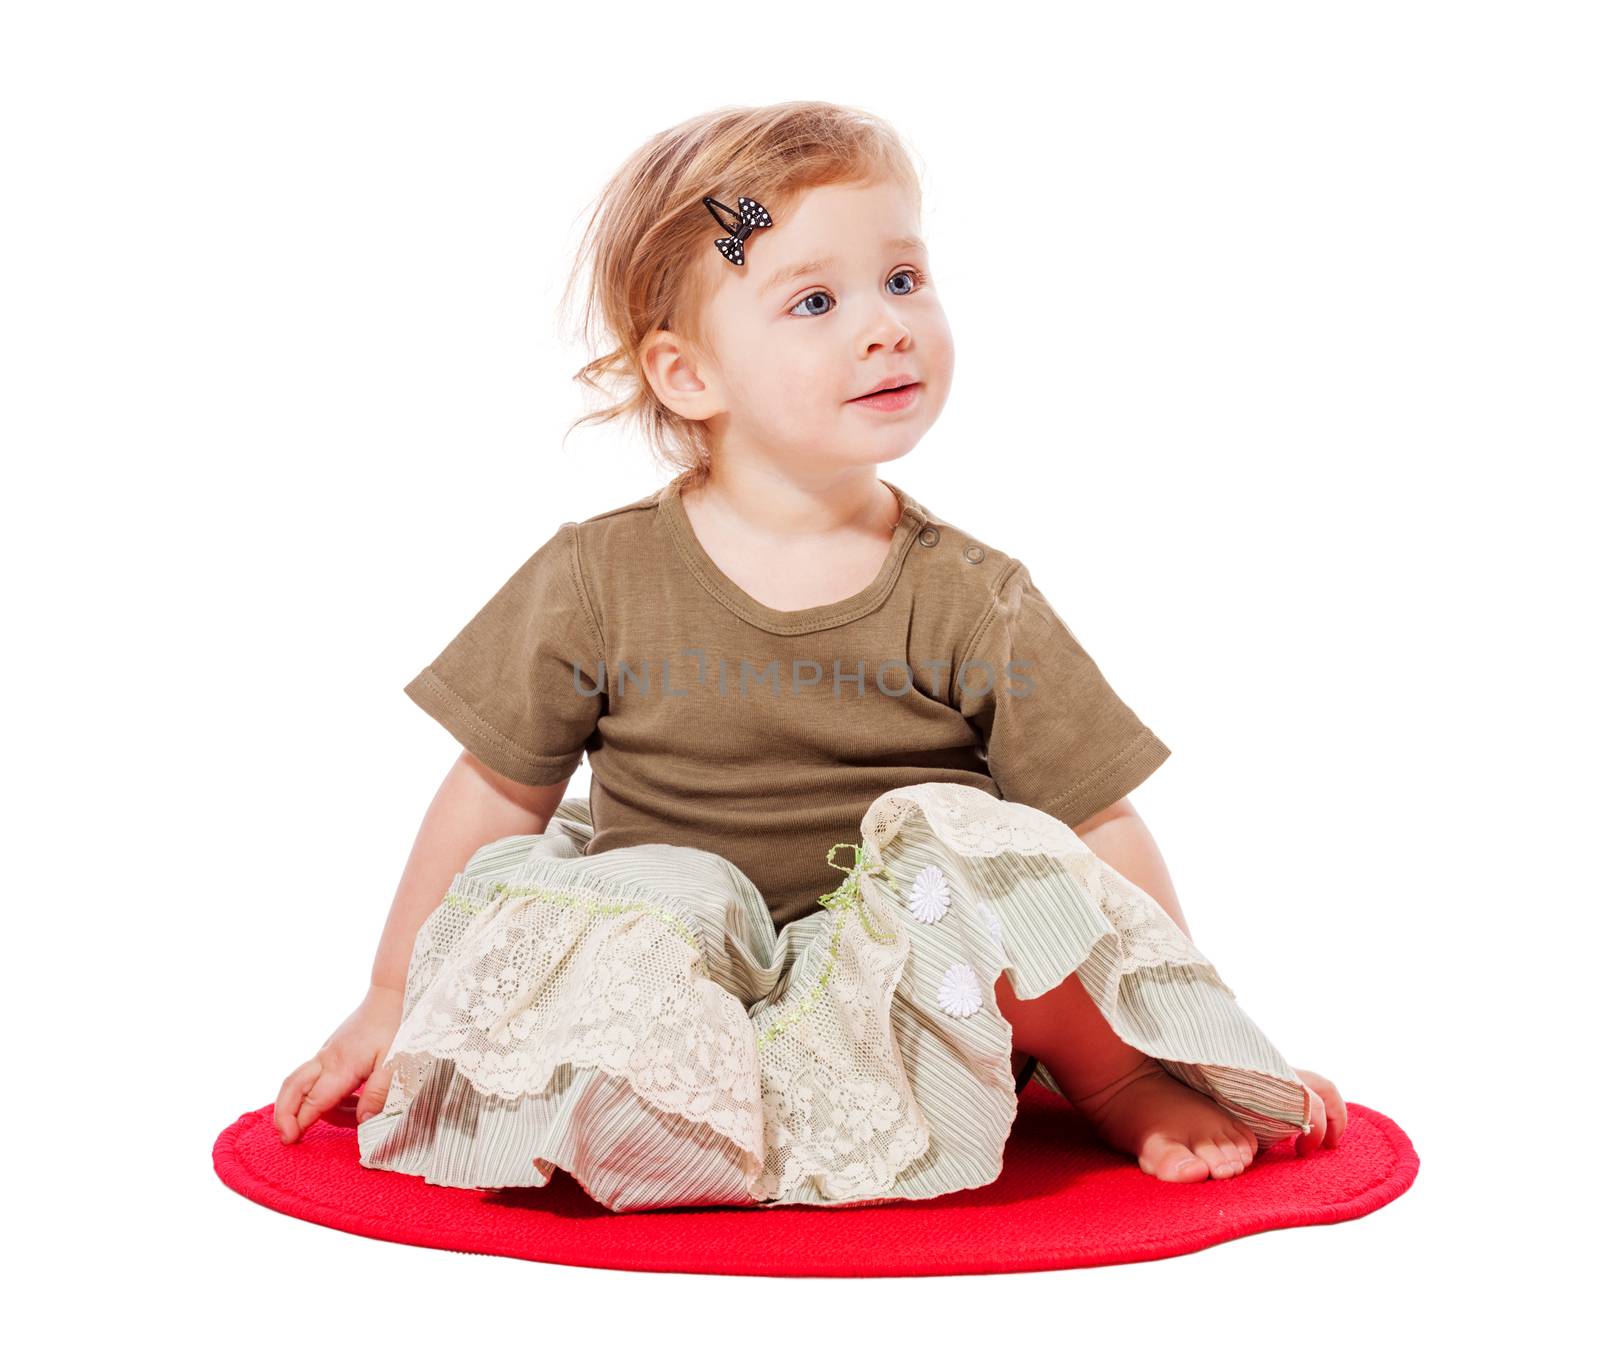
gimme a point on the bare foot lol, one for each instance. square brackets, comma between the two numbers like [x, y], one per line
[1176, 1133]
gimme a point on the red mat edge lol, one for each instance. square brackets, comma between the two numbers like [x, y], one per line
[231, 1168]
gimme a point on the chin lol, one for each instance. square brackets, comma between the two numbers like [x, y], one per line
[898, 452]
[891, 442]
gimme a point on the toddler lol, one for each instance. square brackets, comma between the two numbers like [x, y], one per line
[674, 990]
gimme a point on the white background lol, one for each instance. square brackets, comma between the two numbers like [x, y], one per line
[1276, 355]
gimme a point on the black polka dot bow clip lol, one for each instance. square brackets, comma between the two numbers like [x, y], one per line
[752, 216]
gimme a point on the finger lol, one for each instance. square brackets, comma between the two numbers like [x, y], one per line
[1338, 1115]
[287, 1105]
[1307, 1142]
[375, 1094]
[1332, 1103]
[328, 1089]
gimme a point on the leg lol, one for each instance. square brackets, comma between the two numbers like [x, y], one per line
[1066, 1031]
[1135, 1104]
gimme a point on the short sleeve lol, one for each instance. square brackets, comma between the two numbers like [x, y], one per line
[1055, 734]
[517, 686]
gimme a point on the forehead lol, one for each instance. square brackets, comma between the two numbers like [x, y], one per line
[832, 224]
[819, 213]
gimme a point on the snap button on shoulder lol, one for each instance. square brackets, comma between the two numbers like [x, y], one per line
[973, 553]
[929, 537]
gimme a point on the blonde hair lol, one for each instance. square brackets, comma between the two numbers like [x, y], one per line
[643, 253]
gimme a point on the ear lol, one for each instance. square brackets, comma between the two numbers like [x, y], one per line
[679, 375]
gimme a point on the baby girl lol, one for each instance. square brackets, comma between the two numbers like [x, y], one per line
[775, 651]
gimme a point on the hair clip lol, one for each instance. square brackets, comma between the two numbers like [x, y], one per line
[752, 216]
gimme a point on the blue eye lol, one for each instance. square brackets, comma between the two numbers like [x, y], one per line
[916, 276]
[815, 294]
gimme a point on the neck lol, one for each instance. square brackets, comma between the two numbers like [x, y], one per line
[760, 501]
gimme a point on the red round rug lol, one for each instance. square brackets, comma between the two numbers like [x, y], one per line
[1063, 1199]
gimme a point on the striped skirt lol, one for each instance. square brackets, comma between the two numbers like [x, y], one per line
[633, 1018]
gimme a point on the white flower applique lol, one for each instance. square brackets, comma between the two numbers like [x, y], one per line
[959, 994]
[992, 921]
[930, 894]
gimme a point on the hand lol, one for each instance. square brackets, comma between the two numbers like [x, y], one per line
[1328, 1114]
[350, 1055]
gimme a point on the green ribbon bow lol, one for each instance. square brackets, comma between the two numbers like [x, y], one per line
[848, 893]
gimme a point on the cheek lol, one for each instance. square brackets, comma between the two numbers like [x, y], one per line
[938, 346]
[794, 382]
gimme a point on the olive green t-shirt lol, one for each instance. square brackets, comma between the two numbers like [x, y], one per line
[713, 721]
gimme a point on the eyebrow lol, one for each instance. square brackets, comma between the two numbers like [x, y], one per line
[798, 269]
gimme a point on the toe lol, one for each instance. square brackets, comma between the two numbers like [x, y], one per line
[1245, 1142]
[1174, 1162]
[1222, 1166]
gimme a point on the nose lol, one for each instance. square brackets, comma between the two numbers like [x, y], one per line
[884, 330]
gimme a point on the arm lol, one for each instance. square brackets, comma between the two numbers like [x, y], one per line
[473, 805]
[1117, 835]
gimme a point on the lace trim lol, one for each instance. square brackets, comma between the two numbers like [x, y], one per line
[511, 981]
[573, 897]
[846, 898]
[974, 823]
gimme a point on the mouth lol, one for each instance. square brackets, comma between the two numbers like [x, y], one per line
[895, 395]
